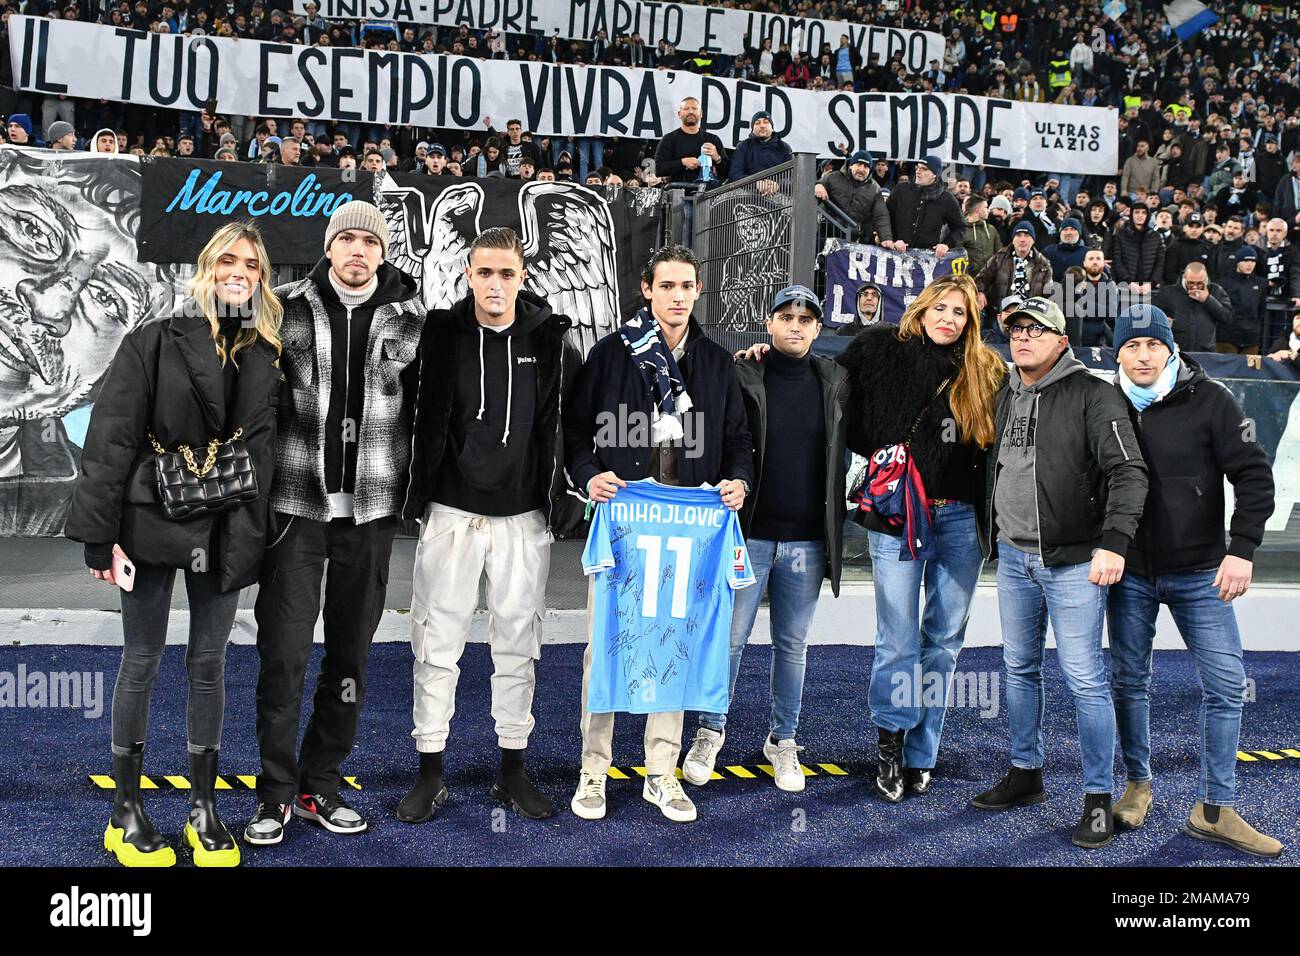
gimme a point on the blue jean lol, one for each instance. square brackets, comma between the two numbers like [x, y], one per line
[791, 572]
[1209, 628]
[585, 152]
[1029, 595]
[1070, 183]
[916, 648]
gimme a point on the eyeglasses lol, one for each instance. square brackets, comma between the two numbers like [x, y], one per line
[1031, 330]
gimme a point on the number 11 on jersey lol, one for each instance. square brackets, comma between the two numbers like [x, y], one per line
[652, 545]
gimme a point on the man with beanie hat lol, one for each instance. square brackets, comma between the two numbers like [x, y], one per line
[853, 189]
[762, 150]
[1187, 248]
[1193, 435]
[1068, 250]
[924, 214]
[351, 333]
[61, 136]
[19, 130]
[1016, 269]
[1197, 307]
[1066, 488]
[1248, 294]
[487, 481]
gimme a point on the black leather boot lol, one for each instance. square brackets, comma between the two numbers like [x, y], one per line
[1097, 825]
[130, 835]
[918, 779]
[206, 835]
[1018, 788]
[514, 789]
[427, 795]
[889, 764]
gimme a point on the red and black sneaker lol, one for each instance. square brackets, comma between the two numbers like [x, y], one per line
[330, 812]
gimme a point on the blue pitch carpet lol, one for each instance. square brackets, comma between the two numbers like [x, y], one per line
[52, 815]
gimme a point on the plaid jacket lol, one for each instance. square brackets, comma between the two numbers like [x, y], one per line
[391, 374]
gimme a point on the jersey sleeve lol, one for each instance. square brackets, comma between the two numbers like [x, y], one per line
[739, 572]
[598, 555]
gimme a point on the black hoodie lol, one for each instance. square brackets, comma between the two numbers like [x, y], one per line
[349, 337]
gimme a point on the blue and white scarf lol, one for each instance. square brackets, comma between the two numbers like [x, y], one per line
[659, 371]
[1142, 396]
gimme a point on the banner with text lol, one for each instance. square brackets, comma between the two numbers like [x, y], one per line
[900, 276]
[686, 26]
[251, 78]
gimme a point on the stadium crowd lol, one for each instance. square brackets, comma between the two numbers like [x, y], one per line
[1201, 212]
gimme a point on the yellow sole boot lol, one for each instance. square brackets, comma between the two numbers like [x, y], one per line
[205, 857]
[1131, 810]
[1231, 830]
[129, 855]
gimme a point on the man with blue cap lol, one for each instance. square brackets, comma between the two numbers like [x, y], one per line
[796, 404]
[855, 190]
[925, 215]
[1193, 435]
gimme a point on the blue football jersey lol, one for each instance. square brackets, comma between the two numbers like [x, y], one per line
[665, 561]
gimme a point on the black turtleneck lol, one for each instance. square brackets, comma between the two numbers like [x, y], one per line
[791, 503]
[230, 328]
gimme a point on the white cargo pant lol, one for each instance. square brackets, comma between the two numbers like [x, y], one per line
[663, 732]
[453, 552]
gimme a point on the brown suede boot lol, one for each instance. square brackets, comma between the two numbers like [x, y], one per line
[1224, 825]
[1131, 810]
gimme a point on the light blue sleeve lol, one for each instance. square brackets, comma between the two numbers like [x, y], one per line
[598, 555]
[740, 574]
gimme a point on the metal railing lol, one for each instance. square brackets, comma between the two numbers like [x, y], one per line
[753, 237]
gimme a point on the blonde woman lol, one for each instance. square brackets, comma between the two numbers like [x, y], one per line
[207, 372]
[922, 395]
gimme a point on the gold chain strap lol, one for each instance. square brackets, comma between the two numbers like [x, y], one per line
[188, 455]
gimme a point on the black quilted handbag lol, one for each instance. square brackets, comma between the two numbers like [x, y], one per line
[225, 481]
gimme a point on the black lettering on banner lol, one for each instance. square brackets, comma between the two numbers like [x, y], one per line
[132, 37]
[384, 61]
[933, 134]
[814, 36]
[917, 44]
[611, 119]
[837, 101]
[29, 45]
[777, 95]
[673, 18]
[155, 66]
[534, 93]
[441, 8]
[401, 11]
[42, 59]
[265, 88]
[574, 7]
[899, 105]
[867, 131]
[965, 117]
[989, 139]
[316, 105]
[531, 25]
[510, 17]
[198, 99]
[709, 36]
[715, 103]
[649, 124]
[622, 18]
[581, 110]
[741, 115]
[895, 43]
[338, 92]
[467, 119]
[411, 65]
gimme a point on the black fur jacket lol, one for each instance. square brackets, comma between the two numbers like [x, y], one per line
[893, 384]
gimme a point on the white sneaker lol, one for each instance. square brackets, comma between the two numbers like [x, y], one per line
[589, 800]
[697, 768]
[784, 757]
[667, 794]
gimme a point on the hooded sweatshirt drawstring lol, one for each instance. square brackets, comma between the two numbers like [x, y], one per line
[482, 383]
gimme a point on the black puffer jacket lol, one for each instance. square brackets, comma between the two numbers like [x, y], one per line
[920, 214]
[166, 378]
[1137, 255]
[891, 382]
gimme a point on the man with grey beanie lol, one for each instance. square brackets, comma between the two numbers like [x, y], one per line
[350, 334]
[61, 136]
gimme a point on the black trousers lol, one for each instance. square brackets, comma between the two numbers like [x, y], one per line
[353, 559]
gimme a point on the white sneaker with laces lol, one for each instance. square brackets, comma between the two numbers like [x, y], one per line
[784, 757]
[589, 799]
[697, 768]
[666, 792]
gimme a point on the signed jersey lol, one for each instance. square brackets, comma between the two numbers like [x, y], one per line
[664, 562]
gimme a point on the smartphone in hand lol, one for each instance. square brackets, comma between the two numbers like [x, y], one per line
[123, 571]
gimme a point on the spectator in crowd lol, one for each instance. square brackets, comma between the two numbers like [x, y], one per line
[924, 214]
[1038, 215]
[1141, 170]
[689, 154]
[1198, 307]
[61, 136]
[1287, 346]
[761, 150]
[1186, 248]
[1248, 294]
[869, 309]
[1017, 269]
[1238, 198]
[982, 239]
[1068, 250]
[852, 189]
[1095, 298]
[1282, 265]
[290, 151]
[1137, 253]
[1000, 213]
[1286, 197]
[19, 129]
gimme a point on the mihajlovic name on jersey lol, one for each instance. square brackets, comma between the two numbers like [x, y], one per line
[642, 511]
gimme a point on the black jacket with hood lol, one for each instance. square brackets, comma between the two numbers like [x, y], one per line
[487, 433]
[1089, 476]
[1191, 440]
[859, 323]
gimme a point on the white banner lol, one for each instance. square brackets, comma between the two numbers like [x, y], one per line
[686, 26]
[252, 78]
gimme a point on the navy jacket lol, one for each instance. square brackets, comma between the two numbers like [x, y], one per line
[755, 155]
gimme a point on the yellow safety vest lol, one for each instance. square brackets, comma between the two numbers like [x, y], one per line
[1180, 110]
[1132, 101]
[988, 19]
[1058, 74]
